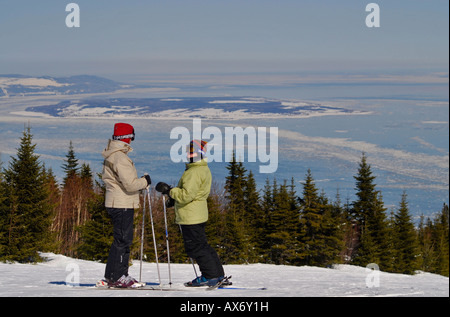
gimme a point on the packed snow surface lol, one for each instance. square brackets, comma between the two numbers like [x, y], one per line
[66, 277]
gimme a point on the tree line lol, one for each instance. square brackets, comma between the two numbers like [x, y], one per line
[280, 224]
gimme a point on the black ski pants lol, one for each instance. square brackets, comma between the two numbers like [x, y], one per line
[119, 254]
[197, 248]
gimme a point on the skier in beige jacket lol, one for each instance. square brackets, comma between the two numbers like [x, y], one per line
[121, 199]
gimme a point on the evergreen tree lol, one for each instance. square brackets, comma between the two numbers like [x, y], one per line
[433, 239]
[70, 166]
[285, 223]
[346, 228]
[319, 229]
[215, 230]
[405, 242]
[73, 209]
[235, 241]
[369, 212]
[3, 214]
[96, 234]
[379, 225]
[254, 219]
[28, 216]
[310, 222]
[53, 202]
[267, 208]
[332, 231]
[86, 175]
[235, 184]
[391, 242]
[441, 237]
[367, 194]
[427, 259]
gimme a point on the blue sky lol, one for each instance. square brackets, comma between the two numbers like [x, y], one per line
[212, 36]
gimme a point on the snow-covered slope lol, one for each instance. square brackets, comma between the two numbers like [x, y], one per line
[56, 276]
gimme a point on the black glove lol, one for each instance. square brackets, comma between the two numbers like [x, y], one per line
[170, 202]
[163, 188]
[147, 178]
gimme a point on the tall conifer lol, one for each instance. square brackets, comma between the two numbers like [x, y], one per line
[369, 212]
[311, 219]
[70, 166]
[95, 234]
[254, 218]
[3, 214]
[235, 242]
[28, 217]
[441, 235]
[405, 240]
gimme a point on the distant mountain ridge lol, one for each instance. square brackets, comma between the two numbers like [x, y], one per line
[21, 85]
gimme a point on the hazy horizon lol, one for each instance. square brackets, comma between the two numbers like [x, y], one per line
[206, 37]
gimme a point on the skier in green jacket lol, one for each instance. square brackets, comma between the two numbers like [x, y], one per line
[191, 213]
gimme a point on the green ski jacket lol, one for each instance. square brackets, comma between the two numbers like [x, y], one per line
[191, 193]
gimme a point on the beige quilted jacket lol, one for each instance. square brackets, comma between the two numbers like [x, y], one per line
[120, 177]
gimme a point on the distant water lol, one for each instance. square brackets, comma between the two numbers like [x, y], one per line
[406, 140]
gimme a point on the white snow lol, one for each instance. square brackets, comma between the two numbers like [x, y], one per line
[66, 277]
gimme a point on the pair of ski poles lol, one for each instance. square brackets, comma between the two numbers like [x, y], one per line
[147, 194]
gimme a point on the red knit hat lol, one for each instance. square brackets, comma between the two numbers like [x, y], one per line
[196, 150]
[123, 132]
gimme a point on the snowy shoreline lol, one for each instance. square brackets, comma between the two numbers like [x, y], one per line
[236, 108]
[183, 115]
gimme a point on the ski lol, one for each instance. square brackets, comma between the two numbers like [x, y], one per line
[142, 286]
[222, 282]
[146, 288]
[243, 288]
[102, 285]
[184, 289]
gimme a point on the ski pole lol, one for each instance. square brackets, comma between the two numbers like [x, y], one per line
[153, 233]
[193, 265]
[142, 239]
[167, 239]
